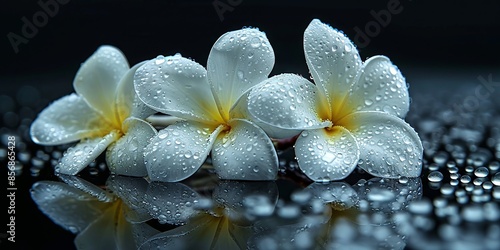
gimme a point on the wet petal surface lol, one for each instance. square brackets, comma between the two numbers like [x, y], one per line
[389, 146]
[238, 60]
[82, 154]
[98, 77]
[127, 102]
[65, 120]
[327, 155]
[176, 86]
[288, 103]
[380, 87]
[244, 153]
[332, 59]
[126, 156]
[179, 150]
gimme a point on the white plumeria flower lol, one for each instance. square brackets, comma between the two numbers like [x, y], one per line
[104, 113]
[213, 105]
[352, 116]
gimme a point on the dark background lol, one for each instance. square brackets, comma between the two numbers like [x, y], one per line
[437, 45]
[425, 35]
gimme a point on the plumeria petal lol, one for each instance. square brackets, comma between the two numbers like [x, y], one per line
[389, 146]
[172, 203]
[244, 153]
[71, 208]
[240, 111]
[82, 154]
[380, 87]
[238, 60]
[127, 102]
[126, 156]
[325, 155]
[288, 103]
[66, 120]
[176, 86]
[179, 150]
[98, 77]
[132, 192]
[332, 59]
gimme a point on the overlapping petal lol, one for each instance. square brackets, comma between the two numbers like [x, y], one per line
[326, 155]
[65, 120]
[176, 86]
[288, 103]
[97, 79]
[126, 155]
[244, 153]
[179, 150]
[82, 154]
[238, 60]
[127, 102]
[389, 146]
[333, 61]
[380, 87]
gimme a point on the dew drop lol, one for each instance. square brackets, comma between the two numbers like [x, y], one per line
[481, 172]
[496, 179]
[159, 60]
[393, 70]
[435, 176]
[255, 42]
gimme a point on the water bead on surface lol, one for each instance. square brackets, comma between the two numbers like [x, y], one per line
[435, 176]
[496, 179]
[481, 172]
[465, 179]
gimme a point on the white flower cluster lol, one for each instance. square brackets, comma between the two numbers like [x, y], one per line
[351, 116]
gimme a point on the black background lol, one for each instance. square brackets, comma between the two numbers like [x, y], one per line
[425, 34]
[451, 40]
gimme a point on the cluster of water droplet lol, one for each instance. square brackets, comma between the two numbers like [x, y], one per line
[461, 171]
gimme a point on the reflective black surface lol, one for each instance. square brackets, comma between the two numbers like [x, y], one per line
[447, 52]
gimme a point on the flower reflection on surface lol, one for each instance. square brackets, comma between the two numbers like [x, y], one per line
[204, 213]
[225, 221]
[364, 216]
[101, 219]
